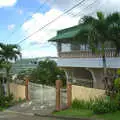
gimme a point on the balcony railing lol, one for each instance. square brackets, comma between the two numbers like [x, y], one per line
[88, 54]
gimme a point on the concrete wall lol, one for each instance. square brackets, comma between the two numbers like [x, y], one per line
[17, 90]
[84, 93]
[97, 78]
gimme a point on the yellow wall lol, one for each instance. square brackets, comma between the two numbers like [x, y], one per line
[84, 93]
[17, 90]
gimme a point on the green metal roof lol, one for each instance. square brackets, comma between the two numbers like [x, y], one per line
[66, 33]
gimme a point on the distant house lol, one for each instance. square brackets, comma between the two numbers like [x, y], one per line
[81, 65]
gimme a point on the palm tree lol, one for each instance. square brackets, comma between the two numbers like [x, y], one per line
[99, 31]
[114, 31]
[96, 34]
[9, 53]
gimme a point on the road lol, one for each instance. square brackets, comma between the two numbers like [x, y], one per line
[18, 116]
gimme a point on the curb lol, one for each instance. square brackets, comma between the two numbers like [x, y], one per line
[62, 117]
[29, 114]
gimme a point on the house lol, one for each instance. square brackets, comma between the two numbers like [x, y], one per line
[81, 65]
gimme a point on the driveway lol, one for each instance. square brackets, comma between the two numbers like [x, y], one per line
[17, 116]
[26, 111]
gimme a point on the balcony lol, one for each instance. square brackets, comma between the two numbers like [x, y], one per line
[87, 54]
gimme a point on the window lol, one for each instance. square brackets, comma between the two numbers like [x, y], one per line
[82, 47]
[75, 46]
[59, 47]
[65, 47]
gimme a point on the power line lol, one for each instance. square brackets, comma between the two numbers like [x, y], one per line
[26, 20]
[71, 14]
[89, 6]
[51, 21]
[64, 10]
[67, 14]
[74, 15]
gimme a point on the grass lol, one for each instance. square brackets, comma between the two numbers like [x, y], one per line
[75, 113]
[1, 109]
[88, 114]
[110, 116]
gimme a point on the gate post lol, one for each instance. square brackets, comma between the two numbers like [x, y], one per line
[26, 89]
[58, 86]
[69, 94]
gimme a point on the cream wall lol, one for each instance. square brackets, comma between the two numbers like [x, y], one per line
[84, 93]
[17, 90]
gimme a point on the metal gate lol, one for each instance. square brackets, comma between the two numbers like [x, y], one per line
[42, 95]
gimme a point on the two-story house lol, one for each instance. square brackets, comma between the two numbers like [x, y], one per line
[81, 65]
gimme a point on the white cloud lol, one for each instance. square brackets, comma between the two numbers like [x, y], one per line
[107, 6]
[38, 20]
[7, 3]
[11, 27]
[38, 53]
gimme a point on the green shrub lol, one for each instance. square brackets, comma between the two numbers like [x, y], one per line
[6, 101]
[118, 72]
[82, 104]
[97, 105]
[101, 106]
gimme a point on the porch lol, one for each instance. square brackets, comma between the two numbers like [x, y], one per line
[87, 54]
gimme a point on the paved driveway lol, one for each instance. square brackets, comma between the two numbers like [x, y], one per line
[17, 116]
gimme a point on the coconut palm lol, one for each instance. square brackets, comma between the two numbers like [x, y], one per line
[96, 34]
[99, 32]
[114, 31]
[9, 53]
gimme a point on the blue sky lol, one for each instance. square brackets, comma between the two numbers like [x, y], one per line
[17, 14]
[14, 16]
[31, 14]
[14, 13]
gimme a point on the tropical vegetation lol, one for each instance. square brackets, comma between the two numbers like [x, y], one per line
[101, 32]
[8, 54]
[46, 73]
[87, 114]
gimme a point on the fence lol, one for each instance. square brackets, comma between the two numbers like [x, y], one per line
[84, 93]
[42, 94]
[17, 90]
[63, 98]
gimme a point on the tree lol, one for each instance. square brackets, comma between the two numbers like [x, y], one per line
[114, 31]
[99, 32]
[47, 73]
[8, 53]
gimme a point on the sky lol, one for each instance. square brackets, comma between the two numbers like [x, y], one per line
[20, 18]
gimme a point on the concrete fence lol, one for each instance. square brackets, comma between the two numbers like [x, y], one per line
[84, 93]
[17, 90]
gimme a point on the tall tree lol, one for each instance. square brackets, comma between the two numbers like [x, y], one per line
[100, 31]
[114, 31]
[96, 34]
[46, 73]
[9, 53]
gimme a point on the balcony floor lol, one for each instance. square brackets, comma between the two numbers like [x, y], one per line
[88, 62]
